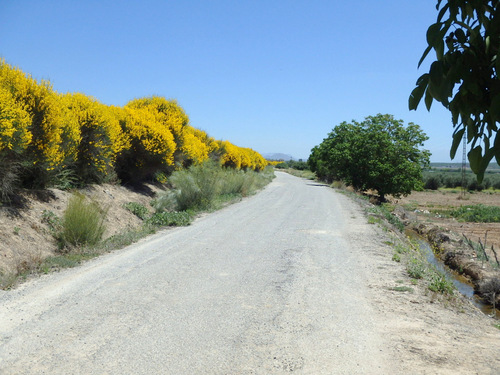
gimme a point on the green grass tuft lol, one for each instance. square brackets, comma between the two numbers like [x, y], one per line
[82, 223]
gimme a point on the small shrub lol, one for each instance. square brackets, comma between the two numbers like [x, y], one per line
[160, 177]
[439, 283]
[169, 219]
[415, 268]
[432, 183]
[197, 187]
[66, 179]
[282, 165]
[396, 257]
[53, 222]
[394, 220]
[165, 201]
[82, 223]
[338, 185]
[9, 178]
[137, 209]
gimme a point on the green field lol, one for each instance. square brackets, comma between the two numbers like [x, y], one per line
[449, 175]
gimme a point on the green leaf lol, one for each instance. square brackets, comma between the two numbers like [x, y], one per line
[495, 108]
[496, 147]
[428, 100]
[418, 92]
[436, 73]
[442, 12]
[475, 158]
[485, 161]
[434, 34]
[457, 138]
[439, 49]
[460, 35]
[424, 55]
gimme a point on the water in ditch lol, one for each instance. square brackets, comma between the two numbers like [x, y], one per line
[461, 283]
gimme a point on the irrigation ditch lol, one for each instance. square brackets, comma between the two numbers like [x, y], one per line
[463, 262]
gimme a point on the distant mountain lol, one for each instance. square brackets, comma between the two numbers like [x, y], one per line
[278, 156]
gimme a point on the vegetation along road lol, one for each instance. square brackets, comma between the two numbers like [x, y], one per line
[293, 279]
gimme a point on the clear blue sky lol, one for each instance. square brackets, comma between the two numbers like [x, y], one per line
[275, 76]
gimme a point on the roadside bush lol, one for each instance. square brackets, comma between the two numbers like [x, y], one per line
[201, 186]
[282, 165]
[166, 201]
[197, 187]
[236, 182]
[82, 223]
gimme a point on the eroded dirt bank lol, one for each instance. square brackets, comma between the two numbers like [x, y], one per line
[25, 231]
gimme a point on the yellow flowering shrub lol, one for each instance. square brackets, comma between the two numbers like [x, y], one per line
[257, 161]
[194, 150]
[210, 142]
[240, 158]
[230, 155]
[14, 122]
[151, 145]
[100, 134]
[54, 129]
[53, 133]
[168, 112]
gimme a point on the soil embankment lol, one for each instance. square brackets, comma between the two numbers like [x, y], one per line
[25, 228]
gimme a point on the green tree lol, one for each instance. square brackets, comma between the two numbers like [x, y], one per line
[379, 153]
[464, 77]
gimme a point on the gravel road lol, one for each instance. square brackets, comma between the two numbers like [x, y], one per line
[276, 283]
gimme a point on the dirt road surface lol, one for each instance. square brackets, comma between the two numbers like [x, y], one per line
[290, 280]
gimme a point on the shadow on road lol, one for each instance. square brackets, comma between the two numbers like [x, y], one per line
[321, 185]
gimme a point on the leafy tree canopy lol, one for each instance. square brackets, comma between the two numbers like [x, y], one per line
[379, 153]
[464, 77]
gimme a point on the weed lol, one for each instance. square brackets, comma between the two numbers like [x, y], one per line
[384, 211]
[165, 201]
[402, 289]
[400, 249]
[439, 283]
[137, 209]
[396, 257]
[17, 230]
[162, 219]
[121, 240]
[53, 222]
[415, 268]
